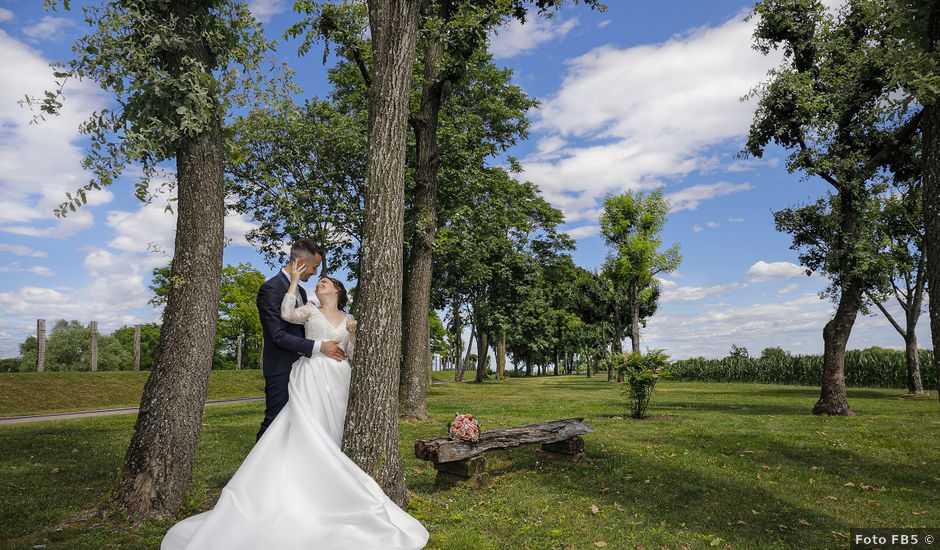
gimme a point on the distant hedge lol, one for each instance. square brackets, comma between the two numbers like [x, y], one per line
[872, 367]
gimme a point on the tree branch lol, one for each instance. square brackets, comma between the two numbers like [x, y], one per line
[888, 315]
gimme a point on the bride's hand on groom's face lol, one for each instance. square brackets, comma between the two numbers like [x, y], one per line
[297, 268]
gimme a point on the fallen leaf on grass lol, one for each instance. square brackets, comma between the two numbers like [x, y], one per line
[619, 507]
[595, 509]
[831, 497]
[849, 484]
[804, 522]
[600, 544]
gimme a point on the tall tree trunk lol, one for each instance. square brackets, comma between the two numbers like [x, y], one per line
[370, 437]
[930, 127]
[528, 365]
[635, 317]
[610, 366]
[501, 356]
[413, 392]
[466, 360]
[458, 337]
[915, 385]
[158, 465]
[482, 354]
[555, 350]
[833, 399]
[931, 203]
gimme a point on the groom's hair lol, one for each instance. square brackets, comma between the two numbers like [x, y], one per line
[306, 246]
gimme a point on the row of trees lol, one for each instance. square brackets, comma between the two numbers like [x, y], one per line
[854, 102]
[177, 68]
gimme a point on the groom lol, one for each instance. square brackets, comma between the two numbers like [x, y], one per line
[284, 342]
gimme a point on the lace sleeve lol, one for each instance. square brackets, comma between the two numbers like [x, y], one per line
[290, 312]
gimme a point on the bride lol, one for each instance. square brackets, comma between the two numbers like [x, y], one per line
[296, 489]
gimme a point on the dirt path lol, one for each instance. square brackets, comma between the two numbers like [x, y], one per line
[104, 412]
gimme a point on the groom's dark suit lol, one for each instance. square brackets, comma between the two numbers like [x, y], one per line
[284, 343]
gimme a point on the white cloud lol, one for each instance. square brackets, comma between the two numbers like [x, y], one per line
[713, 225]
[764, 271]
[676, 293]
[515, 38]
[792, 287]
[691, 197]
[697, 228]
[604, 23]
[583, 231]
[734, 219]
[151, 228]
[643, 114]
[39, 163]
[15, 267]
[711, 329]
[20, 250]
[6, 15]
[264, 10]
[48, 29]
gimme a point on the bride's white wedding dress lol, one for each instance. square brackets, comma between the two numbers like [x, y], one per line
[296, 489]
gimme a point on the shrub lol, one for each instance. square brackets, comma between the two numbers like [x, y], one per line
[640, 374]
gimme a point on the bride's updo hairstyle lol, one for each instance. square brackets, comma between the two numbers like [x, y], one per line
[341, 298]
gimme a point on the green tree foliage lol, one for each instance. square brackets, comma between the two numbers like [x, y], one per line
[298, 171]
[829, 105]
[631, 225]
[238, 313]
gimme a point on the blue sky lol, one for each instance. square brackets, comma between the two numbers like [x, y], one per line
[641, 96]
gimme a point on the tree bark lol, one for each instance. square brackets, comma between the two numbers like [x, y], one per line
[482, 354]
[501, 356]
[417, 354]
[466, 360]
[158, 465]
[370, 436]
[915, 385]
[930, 128]
[833, 399]
[930, 125]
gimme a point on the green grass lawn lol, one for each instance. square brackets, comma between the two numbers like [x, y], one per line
[23, 393]
[735, 465]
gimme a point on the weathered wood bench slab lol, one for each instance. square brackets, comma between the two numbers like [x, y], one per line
[459, 461]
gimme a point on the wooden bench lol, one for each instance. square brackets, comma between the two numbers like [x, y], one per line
[459, 461]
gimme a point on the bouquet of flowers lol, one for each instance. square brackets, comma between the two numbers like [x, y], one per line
[464, 427]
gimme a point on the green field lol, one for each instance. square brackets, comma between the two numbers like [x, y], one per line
[733, 465]
[23, 393]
